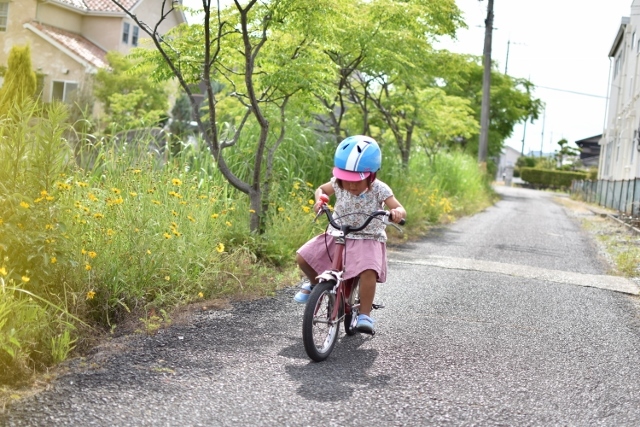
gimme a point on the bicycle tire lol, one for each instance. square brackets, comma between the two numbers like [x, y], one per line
[319, 332]
[354, 299]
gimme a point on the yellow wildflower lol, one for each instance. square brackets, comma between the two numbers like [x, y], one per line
[82, 184]
[192, 219]
[228, 223]
[306, 209]
[44, 193]
[167, 278]
[167, 235]
[200, 295]
[92, 254]
[24, 205]
[176, 182]
[54, 260]
[25, 279]
[214, 216]
[136, 171]
[174, 213]
[220, 247]
[182, 202]
[110, 232]
[83, 251]
[115, 190]
[49, 198]
[98, 215]
[48, 227]
[91, 294]
[38, 200]
[311, 202]
[92, 197]
[252, 211]
[150, 191]
[156, 202]
[296, 185]
[133, 194]
[87, 267]
[148, 252]
[280, 209]
[3, 271]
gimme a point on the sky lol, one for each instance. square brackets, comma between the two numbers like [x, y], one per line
[562, 46]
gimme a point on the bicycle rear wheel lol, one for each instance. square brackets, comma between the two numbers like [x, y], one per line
[319, 330]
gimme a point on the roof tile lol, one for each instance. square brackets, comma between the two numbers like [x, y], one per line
[82, 47]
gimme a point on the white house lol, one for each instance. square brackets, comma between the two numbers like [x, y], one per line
[506, 163]
[619, 142]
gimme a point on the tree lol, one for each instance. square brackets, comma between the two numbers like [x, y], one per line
[19, 79]
[262, 55]
[565, 151]
[512, 100]
[130, 97]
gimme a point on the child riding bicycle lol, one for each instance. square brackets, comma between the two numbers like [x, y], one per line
[357, 192]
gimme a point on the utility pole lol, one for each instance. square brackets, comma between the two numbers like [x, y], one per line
[483, 148]
[506, 61]
[524, 132]
[544, 116]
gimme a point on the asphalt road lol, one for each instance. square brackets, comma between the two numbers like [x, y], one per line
[502, 319]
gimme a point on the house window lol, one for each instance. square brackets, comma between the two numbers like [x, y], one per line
[63, 91]
[4, 16]
[125, 33]
[134, 36]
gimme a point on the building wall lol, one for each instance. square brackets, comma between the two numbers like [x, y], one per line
[59, 17]
[104, 31]
[619, 143]
[18, 15]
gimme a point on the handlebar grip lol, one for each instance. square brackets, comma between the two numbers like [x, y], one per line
[324, 198]
[402, 221]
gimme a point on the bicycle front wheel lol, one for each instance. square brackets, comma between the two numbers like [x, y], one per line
[319, 328]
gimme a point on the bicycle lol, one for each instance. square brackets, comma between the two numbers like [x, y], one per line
[334, 299]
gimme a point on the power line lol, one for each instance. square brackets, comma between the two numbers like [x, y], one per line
[570, 91]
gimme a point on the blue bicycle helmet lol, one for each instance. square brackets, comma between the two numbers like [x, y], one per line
[356, 158]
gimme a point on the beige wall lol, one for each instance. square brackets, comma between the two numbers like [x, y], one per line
[105, 32]
[18, 15]
[61, 18]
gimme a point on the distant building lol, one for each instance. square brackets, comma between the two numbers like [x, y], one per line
[69, 39]
[590, 150]
[506, 163]
[619, 142]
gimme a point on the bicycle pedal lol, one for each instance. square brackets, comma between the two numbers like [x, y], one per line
[377, 306]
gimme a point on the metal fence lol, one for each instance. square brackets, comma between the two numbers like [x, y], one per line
[623, 196]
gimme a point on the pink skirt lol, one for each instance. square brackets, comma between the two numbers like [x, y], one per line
[359, 255]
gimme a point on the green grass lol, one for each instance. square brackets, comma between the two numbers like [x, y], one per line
[93, 237]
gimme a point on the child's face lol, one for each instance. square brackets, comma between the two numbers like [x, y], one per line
[355, 187]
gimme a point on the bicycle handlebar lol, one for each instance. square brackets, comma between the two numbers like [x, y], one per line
[346, 229]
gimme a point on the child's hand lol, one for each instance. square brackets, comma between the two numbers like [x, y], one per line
[397, 215]
[324, 199]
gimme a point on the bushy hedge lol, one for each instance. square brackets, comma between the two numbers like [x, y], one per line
[547, 178]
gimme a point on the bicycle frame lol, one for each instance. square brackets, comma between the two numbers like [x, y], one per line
[333, 299]
[343, 287]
